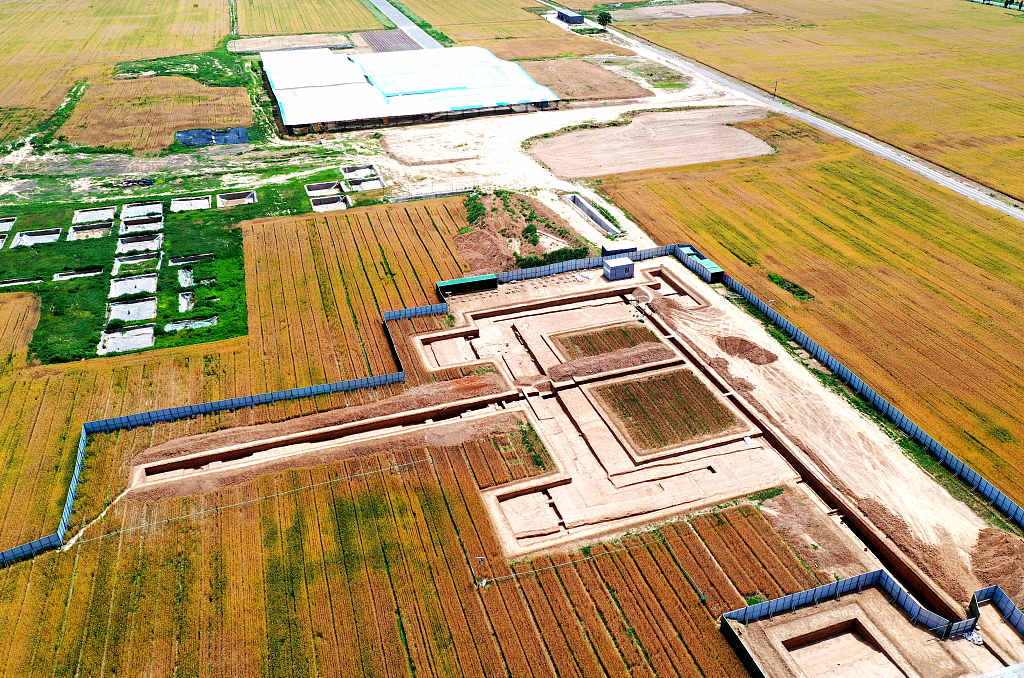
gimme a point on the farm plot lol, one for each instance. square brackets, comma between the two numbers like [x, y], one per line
[315, 289]
[852, 61]
[143, 115]
[50, 45]
[915, 289]
[670, 409]
[579, 80]
[369, 566]
[575, 345]
[267, 17]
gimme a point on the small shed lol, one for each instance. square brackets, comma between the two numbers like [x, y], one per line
[570, 17]
[620, 268]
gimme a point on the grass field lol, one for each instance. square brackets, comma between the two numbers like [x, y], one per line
[143, 115]
[505, 28]
[939, 79]
[670, 409]
[50, 45]
[369, 567]
[315, 289]
[917, 290]
[575, 345]
[268, 17]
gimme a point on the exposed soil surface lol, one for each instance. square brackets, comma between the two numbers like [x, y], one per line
[272, 42]
[455, 433]
[746, 349]
[641, 354]
[505, 230]
[686, 10]
[652, 140]
[998, 558]
[575, 79]
[817, 540]
[415, 398]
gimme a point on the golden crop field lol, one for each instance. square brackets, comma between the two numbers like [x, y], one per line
[315, 287]
[270, 17]
[369, 567]
[506, 28]
[48, 45]
[916, 289]
[941, 79]
[143, 114]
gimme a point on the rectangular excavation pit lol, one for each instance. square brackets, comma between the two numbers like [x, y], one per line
[330, 203]
[842, 650]
[128, 339]
[136, 263]
[359, 172]
[323, 188]
[92, 214]
[40, 237]
[368, 184]
[179, 325]
[133, 284]
[3, 239]
[132, 311]
[139, 243]
[189, 259]
[186, 301]
[15, 282]
[90, 231]
[186, 278]
[236, 198]
[142, 225]
[7, 223]
[136, 210]
[199, 202]
[78, 273]
[592, 214]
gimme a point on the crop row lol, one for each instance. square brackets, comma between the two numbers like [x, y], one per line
[604, 340]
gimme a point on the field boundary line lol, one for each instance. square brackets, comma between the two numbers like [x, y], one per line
[485, 582]
[225, 507]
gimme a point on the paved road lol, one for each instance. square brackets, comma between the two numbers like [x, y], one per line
[955, 182]
[412, 30]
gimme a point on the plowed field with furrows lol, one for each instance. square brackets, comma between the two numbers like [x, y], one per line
[316, 287]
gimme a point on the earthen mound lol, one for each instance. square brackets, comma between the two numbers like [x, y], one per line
[746, 350]
[998, 558]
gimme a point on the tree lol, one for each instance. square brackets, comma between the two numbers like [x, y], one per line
[604, 18]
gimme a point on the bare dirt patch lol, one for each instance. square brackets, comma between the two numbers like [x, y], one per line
[415, 398]
[686, 10]
[575, 345]
[652, 140]
[579, 80]
[998, 558]
[269, 43]
[746, 349]
[648, 352]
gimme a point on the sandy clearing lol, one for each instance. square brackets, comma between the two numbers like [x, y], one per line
[576, 79]
[272, 42]
[653, 140]
[686, 10]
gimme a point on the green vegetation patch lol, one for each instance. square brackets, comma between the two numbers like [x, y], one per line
[791, 287]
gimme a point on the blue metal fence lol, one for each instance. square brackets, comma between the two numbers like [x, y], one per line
[915, 612]
[416, 312]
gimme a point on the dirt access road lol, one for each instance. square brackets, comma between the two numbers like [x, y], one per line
[983, 195]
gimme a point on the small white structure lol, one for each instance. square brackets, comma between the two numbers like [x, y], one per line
[88, 216]
[330, 203]
[131, 311]
[133, 284]
[185, 278]
[30, 238]
[3, 239]
[359, 172]
[620, 268]
[7, 223]
[135, 210]
[142, 225]
[80, 273]
[323, 188]
[132, 259]
[368, 184]
[186, 301]
[179, 325]
[201, 202]
[15, 282]
[129, 339]
[235, 199]
[89, 231]
[190, 259]
[139, 243]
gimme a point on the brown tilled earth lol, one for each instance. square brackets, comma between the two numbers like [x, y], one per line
[998, 558]
[579, 80]
[641, 354]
